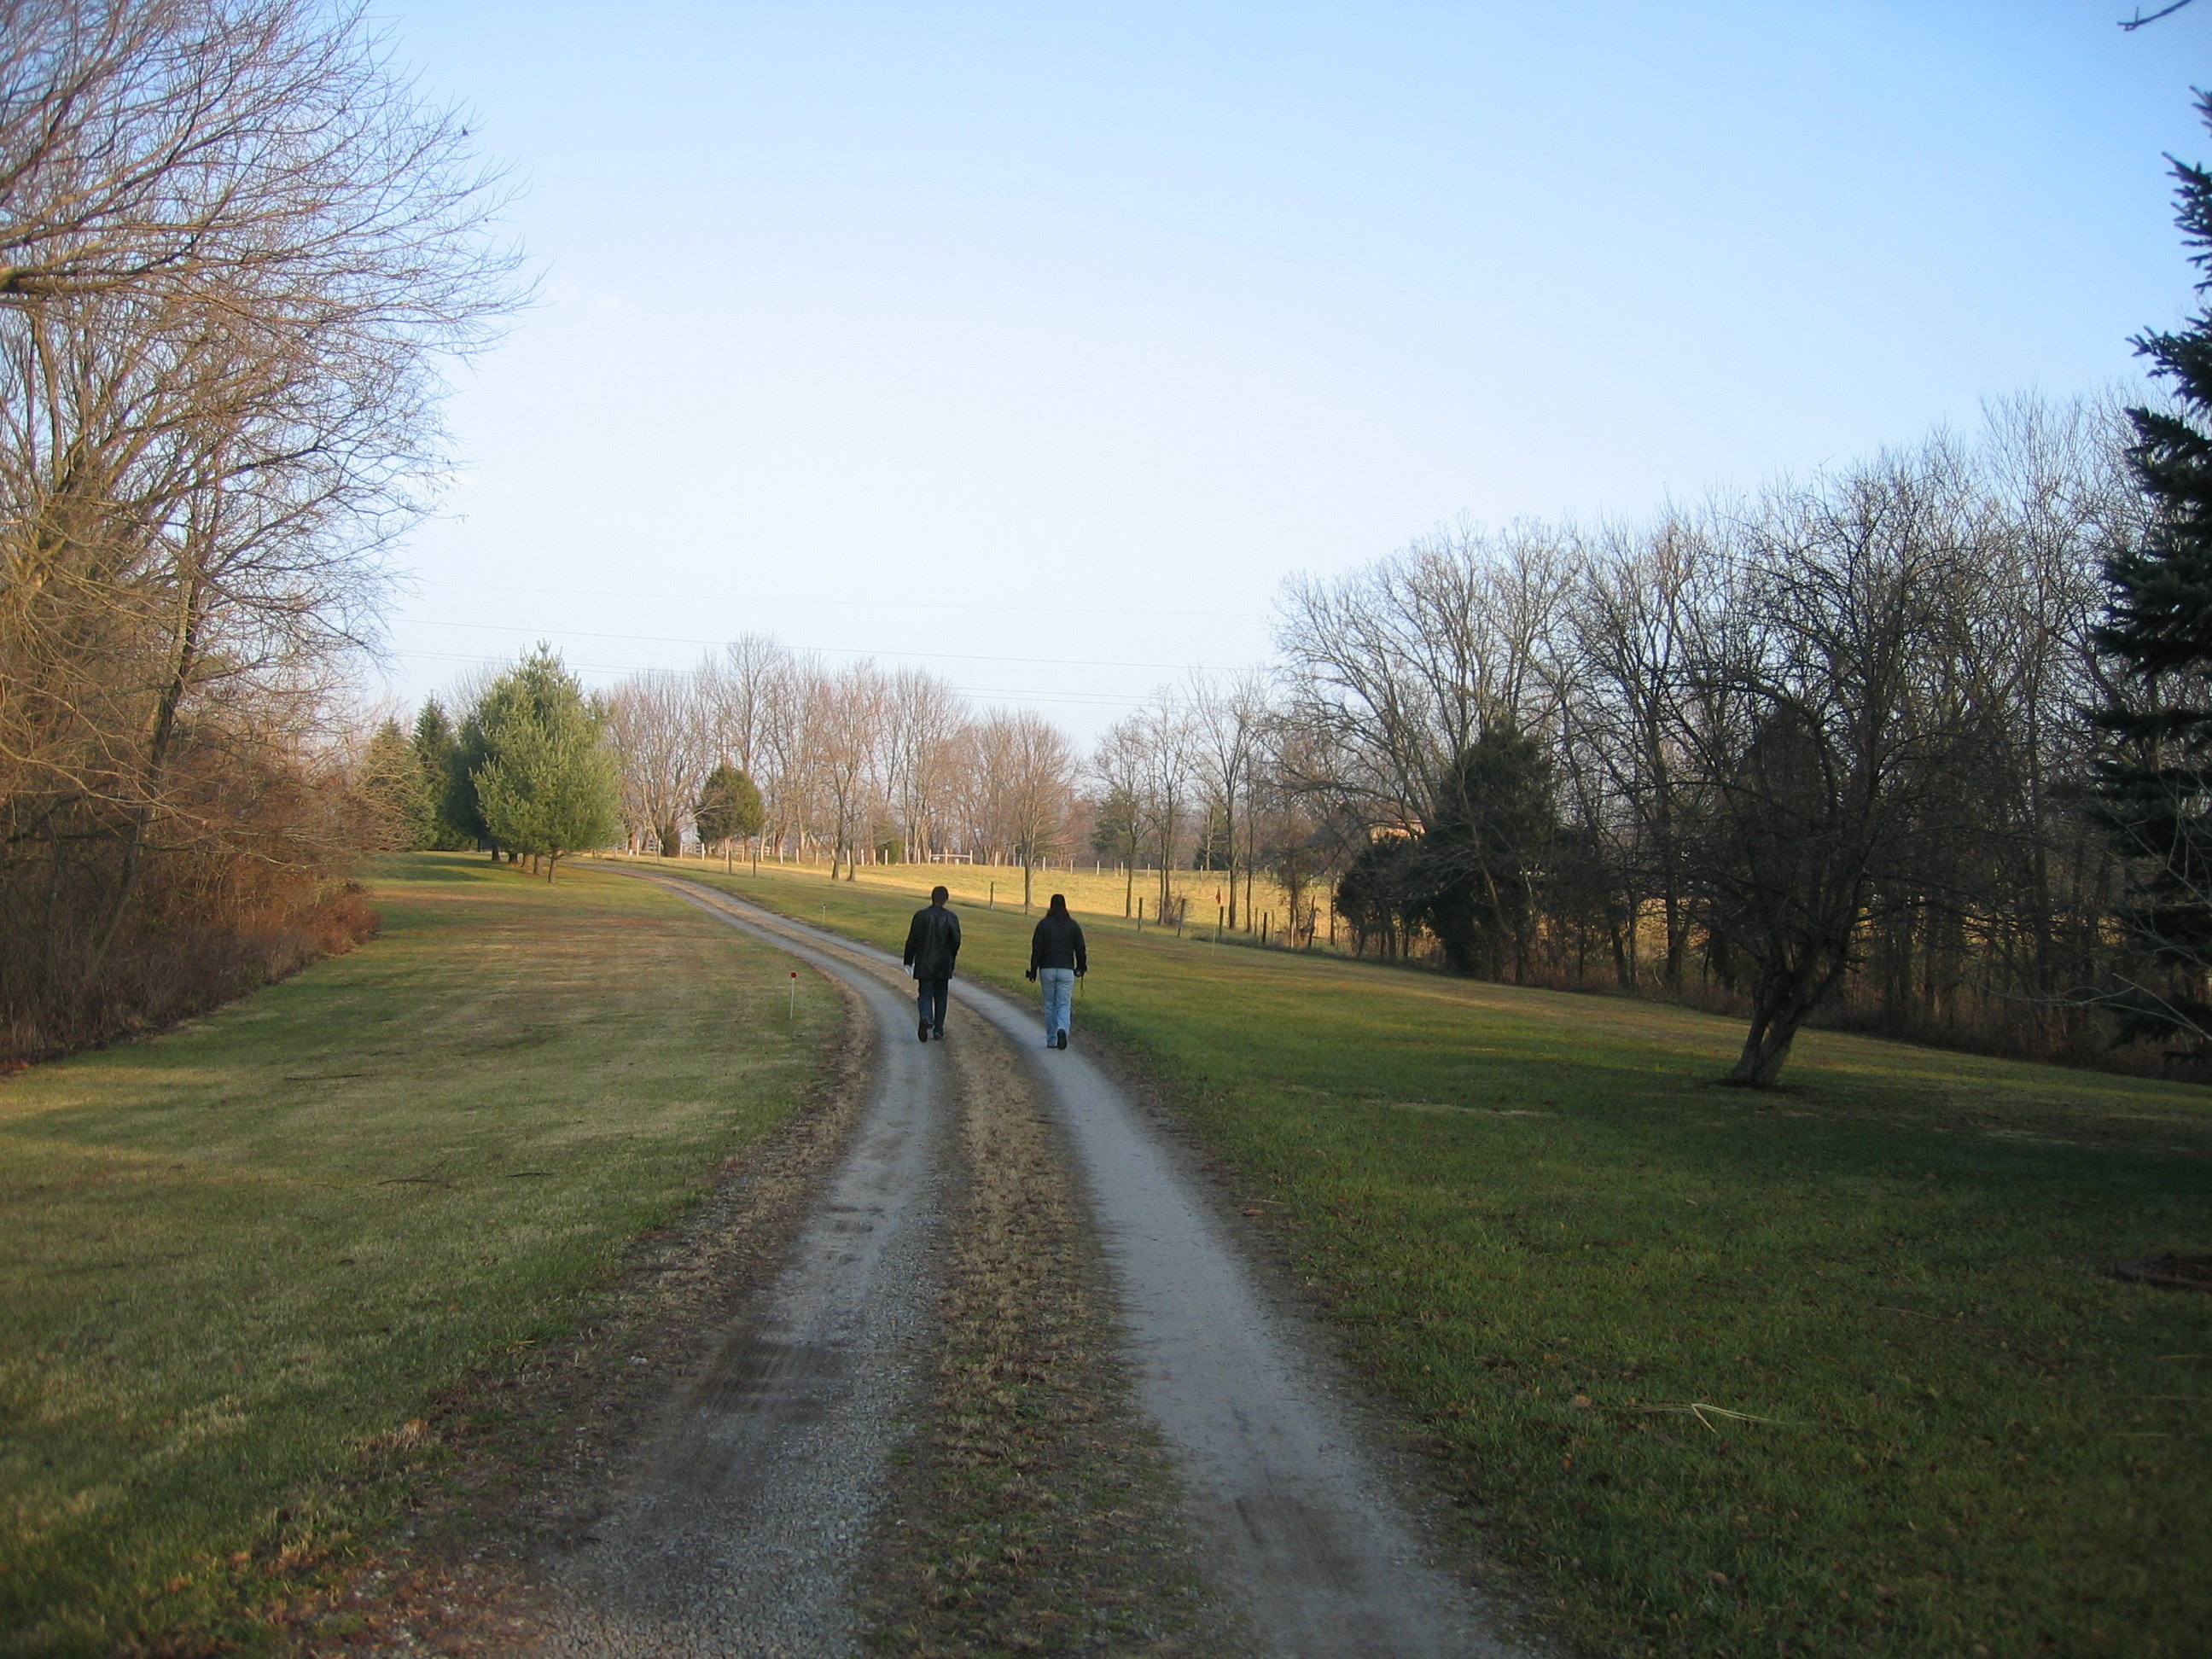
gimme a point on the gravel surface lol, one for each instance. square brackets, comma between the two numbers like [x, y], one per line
[744, 1530]
[1302, 1525]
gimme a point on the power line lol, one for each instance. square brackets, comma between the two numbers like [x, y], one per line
[1104, 700]
[832, 650]
[873, 605]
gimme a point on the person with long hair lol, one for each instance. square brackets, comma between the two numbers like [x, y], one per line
[1057, 960]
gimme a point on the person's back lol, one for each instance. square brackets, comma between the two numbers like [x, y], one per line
[1057, 960]
[932, 950]
[1057, 942]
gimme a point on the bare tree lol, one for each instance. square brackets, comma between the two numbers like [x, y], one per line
[847, 713]
[1633, 620]
[923, 725]
[1164, 798]
[1027, 770]
[661, 735]
[739, 690]
[1226, 721]
[1397, 670]
[233, 251]
[1121, 765]
[1826, 752]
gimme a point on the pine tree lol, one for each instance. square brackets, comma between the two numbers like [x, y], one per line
[390, 787]
[437, 754]
[549, 785]
[2152, 794]
[729, 807]
[537, 687]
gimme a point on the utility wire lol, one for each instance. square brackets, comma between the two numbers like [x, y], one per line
[874, 605]
[1104, 700]
[833, 650]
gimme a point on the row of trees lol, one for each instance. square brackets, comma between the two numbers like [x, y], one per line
[1919, 741]
[234, 251]
[1826, 739]
[1829, 745]
[758, 743]
[1923, 738]
[853, 764]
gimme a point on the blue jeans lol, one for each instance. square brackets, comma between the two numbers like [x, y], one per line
[929, 997]
[1058, 985]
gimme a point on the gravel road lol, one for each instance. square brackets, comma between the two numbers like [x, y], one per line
[743, 1536]
[742, 1533]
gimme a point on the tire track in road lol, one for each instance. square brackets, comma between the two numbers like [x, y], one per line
[1301, 1522]
[743, 1532]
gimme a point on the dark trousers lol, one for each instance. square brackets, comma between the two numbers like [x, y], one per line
[929, 997]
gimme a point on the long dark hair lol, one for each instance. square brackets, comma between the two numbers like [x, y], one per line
[1059, 907]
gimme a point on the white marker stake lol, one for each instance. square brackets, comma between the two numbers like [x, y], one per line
[794, 1014]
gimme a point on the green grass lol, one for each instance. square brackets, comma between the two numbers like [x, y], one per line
[239, 1258]
[1549, 1235]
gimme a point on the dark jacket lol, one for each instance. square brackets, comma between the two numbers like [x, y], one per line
[933, 943]
[1057, 943]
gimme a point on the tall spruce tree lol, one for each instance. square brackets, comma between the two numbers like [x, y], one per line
[2152, 794]
[401, 812]
[549, 785]
[537, 688]
[437, 754]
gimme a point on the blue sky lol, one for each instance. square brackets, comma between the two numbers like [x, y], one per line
[1038, 343]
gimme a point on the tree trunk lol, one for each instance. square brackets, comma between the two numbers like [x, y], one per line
[183, 659]
[1780, 1003]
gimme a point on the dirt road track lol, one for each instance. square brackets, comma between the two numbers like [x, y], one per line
[776, 1454]
[743, 1533]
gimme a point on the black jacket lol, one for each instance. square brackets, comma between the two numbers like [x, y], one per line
[933, 943]
[1057, 943]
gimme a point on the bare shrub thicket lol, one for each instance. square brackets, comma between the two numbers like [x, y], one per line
[232, 247]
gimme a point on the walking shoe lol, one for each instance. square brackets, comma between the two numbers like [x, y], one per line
[1062, 1042]
[923, 1034]
[938, 1031]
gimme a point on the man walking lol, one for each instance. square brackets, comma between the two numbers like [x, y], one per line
[1056, 961]
[932, 946]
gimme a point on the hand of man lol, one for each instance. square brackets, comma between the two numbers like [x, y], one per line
[1029, 973]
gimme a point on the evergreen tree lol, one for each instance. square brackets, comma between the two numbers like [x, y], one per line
[392, 788]
[538, 687]
[437, 754]
[729, 807]
[1118, 828]
[547, 785]
[1473, 878]
[2152, 794]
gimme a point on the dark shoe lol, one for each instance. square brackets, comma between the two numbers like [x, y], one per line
[938, 1031]
[924, 1032]
[1062, 1042]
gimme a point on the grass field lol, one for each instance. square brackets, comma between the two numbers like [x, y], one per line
[240, 1257]
[1830, 1371]
[1107, 892]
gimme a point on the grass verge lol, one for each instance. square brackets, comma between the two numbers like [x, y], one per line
[1832, 1371]
[242, 1259]
[1037, 1515]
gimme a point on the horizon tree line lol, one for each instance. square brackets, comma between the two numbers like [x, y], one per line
[1821, 752]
